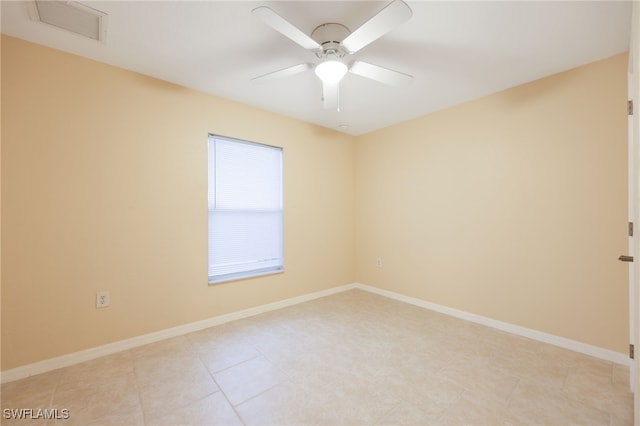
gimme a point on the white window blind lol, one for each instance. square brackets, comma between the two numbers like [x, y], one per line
[245, 209]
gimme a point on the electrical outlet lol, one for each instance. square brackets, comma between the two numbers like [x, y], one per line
[379, 262]
[102, 299]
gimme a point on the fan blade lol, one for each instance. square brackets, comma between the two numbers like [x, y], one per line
[394, 14]
[381, 74]
[331, 95]
[286, 72]
[285, 27]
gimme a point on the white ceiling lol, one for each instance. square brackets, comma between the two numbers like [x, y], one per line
[456, 51]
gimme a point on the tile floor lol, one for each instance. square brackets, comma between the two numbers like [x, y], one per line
[353, 358]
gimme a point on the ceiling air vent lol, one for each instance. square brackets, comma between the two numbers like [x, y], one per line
[71, 16]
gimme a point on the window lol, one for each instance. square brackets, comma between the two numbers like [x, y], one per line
[245, 209]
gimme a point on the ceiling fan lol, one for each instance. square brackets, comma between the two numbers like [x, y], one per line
[333, 43]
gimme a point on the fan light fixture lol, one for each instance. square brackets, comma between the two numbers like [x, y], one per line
[331, 71]
[333, 43]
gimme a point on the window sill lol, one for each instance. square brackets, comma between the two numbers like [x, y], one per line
[244, 275]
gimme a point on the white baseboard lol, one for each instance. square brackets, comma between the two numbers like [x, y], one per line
[573, 345]
[99, 351]
[122, 345]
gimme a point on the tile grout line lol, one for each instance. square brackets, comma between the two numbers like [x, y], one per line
[227, 367]
[53, 394]
[224, 395]
[379, 421]
[137, 378]
[508, 403]
[233, 407]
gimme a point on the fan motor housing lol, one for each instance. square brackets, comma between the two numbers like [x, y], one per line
[330, 36]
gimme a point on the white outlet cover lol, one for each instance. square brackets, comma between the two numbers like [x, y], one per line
[102, 299]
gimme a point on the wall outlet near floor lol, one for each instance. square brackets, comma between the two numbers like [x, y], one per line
[379, 262]
[102, 299]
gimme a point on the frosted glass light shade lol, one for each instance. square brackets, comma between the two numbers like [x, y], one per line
[331, 71]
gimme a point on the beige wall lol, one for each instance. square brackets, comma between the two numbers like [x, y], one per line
[512, 206]
[104, 176]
